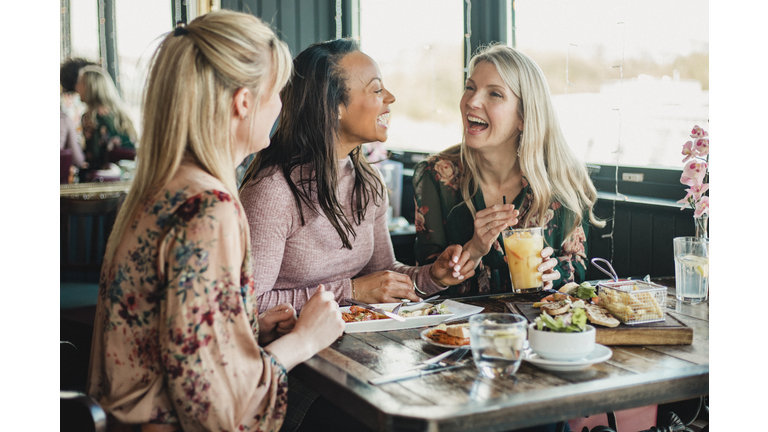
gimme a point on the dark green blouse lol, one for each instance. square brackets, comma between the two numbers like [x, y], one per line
[101, 136]
[442, 220]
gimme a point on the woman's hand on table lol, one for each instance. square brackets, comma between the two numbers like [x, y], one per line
[547, 267]
[384, 287]
[489, 223]
[452, 267]
[275, 322]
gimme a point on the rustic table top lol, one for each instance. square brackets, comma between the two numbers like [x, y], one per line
[462, 400]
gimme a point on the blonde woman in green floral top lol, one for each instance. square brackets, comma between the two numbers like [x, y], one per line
[513, 148]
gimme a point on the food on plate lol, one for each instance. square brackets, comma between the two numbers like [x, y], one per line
[556, 308]
[570, 288]
[439, 309]
[560, 303]
[456, 334]
[599, 315]
[630, 306]
[574, 321]
[357, 313]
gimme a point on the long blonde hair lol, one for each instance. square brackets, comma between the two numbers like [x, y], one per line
[99, 92]
[552, 170]
[188, 102]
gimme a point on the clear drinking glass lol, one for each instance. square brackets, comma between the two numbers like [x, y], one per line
[523, 248]
[497, 341]
[691, 269]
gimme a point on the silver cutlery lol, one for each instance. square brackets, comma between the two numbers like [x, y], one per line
[438, 358]
[452, 361]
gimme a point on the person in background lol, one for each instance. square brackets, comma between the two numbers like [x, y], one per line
[317, 208]
[69, 100]
[178, 343]
[68, 140]
[512, 148]
[106, 123]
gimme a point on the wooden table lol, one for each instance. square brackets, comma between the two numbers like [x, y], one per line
[461, 400]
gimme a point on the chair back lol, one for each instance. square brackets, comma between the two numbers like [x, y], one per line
[85, 228]
[80, 413]
[66, 163]
[121, 153]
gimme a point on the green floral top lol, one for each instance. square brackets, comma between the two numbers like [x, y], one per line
[175, 336]
[441, 221]
[101, 136]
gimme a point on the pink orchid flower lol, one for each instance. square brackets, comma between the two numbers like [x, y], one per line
[698, 132]
[702, 146]
[702, 207]
[694, 170]
[689, 151]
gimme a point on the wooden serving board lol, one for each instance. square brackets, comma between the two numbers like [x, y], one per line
[669, 332]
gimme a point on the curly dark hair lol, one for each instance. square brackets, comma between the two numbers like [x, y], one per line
[69, 71]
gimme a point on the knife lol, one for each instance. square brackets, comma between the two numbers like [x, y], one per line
[375, 309]
[413, 374]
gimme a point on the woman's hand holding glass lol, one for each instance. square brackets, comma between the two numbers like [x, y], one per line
[489, 223]
[452, 267]
[384, 287]
[547, 268]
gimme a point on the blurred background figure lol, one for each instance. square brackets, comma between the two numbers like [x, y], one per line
[107, 127]
[72, 157]
[71, 110]
[70, 103]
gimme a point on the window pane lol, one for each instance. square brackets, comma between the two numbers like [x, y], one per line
[84, 28]
[664, 91]
[421, 63]
[141, 25]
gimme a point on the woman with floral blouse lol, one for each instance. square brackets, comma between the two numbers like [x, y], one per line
[178, 343]
[513, 149]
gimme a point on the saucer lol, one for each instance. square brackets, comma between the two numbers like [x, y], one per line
[600, 354]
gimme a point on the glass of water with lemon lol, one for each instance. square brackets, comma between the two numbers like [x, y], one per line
[497, 341]
[691, 269]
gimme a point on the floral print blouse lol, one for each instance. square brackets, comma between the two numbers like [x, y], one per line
[101, 136]
[441, 221]
[176, 331]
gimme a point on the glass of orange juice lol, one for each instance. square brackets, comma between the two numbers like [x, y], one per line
[523, 248]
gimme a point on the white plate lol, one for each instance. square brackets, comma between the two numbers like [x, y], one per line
[457, 310]
[424, 336]
[600, 354]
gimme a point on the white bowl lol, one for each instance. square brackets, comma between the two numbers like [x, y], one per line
[561, 346]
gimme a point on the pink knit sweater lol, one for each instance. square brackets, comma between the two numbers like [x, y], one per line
[291, 260]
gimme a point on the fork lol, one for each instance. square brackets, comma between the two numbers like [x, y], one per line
[448, 358]
[451, 362]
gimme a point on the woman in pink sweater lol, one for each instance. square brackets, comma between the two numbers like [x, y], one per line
[316, 207]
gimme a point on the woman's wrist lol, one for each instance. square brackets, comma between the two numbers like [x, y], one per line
[435, 280]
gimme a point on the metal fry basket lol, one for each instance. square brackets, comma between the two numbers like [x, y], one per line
[632, 301]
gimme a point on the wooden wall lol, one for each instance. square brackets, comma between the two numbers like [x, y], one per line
[642, 238]
[299, 23]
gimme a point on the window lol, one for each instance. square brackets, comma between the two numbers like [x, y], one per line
[84, 28]
[418, 46]
[644, 108]
[141, 26]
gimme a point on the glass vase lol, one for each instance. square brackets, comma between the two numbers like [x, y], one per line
[702, 226]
